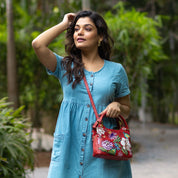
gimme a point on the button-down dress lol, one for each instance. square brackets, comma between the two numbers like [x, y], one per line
[72, 148]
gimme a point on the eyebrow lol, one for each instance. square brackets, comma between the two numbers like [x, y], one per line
[85, 25]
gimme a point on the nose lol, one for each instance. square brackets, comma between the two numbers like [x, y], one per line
[80, 32]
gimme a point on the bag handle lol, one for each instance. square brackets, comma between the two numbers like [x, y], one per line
[121, 118]
[99, 119]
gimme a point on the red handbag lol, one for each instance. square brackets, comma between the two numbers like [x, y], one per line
[114, 144]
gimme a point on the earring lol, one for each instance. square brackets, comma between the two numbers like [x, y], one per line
[99, 43]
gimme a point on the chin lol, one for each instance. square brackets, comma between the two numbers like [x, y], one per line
[81, 47]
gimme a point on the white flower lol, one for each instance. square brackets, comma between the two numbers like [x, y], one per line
[126, 144]
[100, 130]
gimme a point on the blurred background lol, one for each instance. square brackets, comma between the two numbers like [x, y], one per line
[146, 43]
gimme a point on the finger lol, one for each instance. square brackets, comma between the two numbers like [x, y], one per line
[109, 112]
[116, 113]
[71, 17]
[112, 113]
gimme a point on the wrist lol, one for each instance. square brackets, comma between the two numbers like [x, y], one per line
[63, 25]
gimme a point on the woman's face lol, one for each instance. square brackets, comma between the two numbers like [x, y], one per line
[85, 34]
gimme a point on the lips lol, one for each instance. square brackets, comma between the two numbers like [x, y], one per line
[80, 39]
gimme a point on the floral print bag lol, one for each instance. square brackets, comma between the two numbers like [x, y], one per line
[111, 143]
[114, 144]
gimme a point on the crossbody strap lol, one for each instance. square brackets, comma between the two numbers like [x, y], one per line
[90, 96]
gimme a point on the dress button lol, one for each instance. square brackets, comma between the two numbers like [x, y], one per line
[84, 134]
[91, 84]
[88, 105]
[81, 163]
[82, 149]
[86, 119]
[91, 75]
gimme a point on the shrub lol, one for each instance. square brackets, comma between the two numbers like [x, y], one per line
[15, 150]
[138, 46]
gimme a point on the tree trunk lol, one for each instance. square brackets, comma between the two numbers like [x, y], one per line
[153, 8]
[85, 4]
[11, 59]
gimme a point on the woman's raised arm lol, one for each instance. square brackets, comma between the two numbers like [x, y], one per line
[40, 44]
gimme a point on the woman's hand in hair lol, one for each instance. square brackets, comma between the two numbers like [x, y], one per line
[68, 18]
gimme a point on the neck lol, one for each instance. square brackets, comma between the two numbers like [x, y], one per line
[90, 57]
[92, 61]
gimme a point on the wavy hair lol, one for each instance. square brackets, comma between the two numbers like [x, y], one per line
[72, 63]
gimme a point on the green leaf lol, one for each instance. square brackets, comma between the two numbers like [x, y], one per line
[112, 151]
[14, 140]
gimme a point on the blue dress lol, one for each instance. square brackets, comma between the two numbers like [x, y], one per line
[72, 147]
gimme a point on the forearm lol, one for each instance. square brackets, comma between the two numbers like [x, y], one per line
[45, 38]
[40, 45]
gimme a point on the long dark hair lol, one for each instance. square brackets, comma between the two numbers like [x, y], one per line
[73, 62]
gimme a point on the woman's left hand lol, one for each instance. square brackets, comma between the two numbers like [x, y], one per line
[112, 110]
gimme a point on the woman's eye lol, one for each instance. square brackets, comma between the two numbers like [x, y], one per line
[88, 29]
[76, 29]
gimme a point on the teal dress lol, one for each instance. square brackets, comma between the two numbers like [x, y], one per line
[72, 148]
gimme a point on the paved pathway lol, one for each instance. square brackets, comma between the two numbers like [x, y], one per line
[158, 155]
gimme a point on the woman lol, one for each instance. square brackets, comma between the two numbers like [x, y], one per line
[88, 48]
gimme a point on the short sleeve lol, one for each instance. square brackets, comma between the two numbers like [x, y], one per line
[122, 85]
[58, 72]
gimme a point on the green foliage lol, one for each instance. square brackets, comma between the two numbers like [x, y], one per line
[137, 44]
[34, 85]
[164, 83]
[15, 150]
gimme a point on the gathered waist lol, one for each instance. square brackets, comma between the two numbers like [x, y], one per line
[82, 102]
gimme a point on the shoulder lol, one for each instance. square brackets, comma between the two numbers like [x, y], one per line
[117, 71]
[117, 67]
